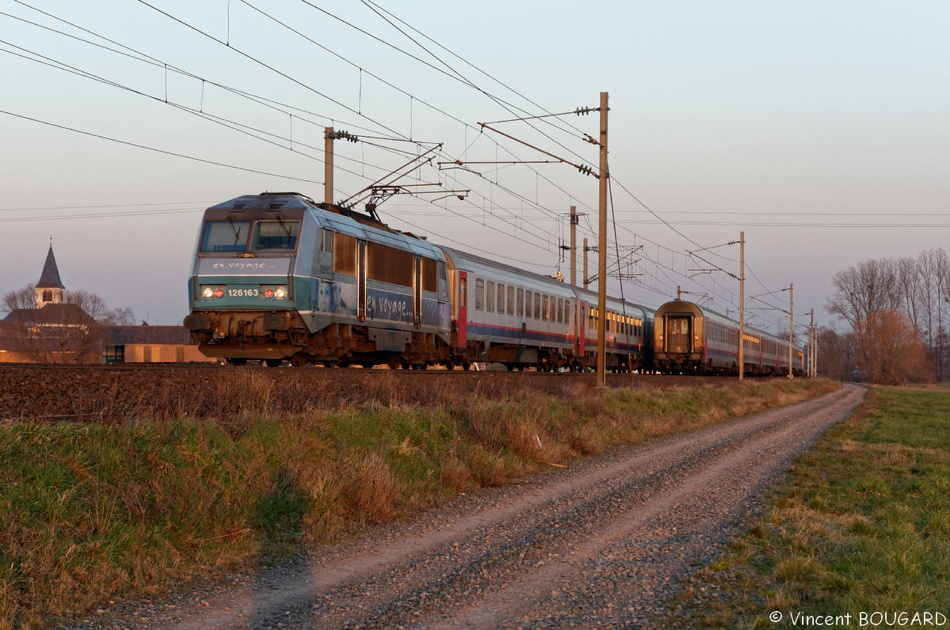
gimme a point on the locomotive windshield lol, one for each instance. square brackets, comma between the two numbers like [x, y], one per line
[269, 235]
[232, 236]
[225, 236]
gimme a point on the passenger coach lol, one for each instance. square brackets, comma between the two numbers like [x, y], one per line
[691, 340]
[502, 314]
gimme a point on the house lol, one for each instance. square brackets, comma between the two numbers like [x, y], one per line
[55, 331]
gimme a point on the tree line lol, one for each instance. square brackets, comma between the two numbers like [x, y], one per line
[897, 310]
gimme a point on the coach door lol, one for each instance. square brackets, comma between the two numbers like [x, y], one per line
[677, 334]
[462, 338]
[580, 328]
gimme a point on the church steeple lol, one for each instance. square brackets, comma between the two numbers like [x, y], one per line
[49, 290]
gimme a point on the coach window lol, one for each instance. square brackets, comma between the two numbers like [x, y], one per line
[560, 310]
[479, 294]
[546, 313]
[520, 302]
[501, 299]
[490, 304]
[511, 300]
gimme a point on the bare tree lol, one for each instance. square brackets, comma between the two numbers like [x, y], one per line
[20, 298]
[910, 280]
[863, 290]
[122, 316]
[88, 301]
[933, 267]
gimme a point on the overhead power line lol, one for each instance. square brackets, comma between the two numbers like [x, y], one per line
[156, 150]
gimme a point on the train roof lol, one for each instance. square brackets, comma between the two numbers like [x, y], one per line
[295, 201]
[474, 262]
[503, 271]
[335, 217]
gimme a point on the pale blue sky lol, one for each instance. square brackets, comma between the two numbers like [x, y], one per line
[818, 128]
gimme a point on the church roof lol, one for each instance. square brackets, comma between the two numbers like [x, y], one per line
[50, 315]
[50, 277]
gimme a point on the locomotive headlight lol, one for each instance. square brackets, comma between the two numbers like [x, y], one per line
[209, 293]
[274, 293]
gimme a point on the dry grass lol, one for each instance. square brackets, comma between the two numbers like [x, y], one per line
[90, 512]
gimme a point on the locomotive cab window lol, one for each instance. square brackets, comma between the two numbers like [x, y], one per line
[225, 236]
[275, 235]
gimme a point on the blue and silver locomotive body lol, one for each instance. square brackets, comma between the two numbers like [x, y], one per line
[277, 276]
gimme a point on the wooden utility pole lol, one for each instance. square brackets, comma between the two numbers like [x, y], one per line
[791, 327]
[602, 251]
[741, 305]
[812, 349]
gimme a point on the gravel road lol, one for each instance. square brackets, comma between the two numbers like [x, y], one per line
[607, 543]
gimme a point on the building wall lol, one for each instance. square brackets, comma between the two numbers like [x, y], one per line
[153, 353]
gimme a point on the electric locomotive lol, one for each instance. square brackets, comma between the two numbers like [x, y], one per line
[278, 276]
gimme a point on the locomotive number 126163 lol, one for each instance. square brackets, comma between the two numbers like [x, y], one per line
[243, 292]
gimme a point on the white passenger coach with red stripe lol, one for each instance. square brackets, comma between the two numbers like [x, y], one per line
[502, 314]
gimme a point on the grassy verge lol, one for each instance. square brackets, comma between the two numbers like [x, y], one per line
[859, 536]
[91, 512]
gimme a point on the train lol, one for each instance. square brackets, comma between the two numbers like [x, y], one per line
[689, 339]
[279, 278]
